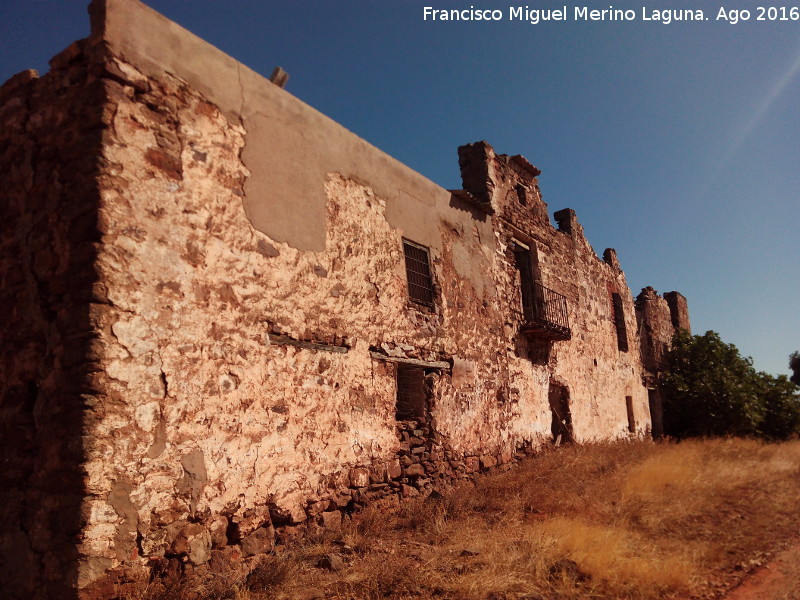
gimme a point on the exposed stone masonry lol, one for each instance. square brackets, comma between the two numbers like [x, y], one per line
[190, 375]
[51, 132]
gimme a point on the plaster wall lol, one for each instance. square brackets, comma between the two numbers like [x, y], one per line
[282, 128]
[230, 262]
[208, 417]
[211, 419]
[596, 373]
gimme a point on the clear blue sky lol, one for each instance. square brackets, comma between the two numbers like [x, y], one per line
[676, 144]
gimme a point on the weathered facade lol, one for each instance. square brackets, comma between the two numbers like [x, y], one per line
[229, 317]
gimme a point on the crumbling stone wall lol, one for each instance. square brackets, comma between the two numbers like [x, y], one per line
[590, 366]
[678, 310]
[242, 388]
[655, 328]
[204, 375]
[658, 319]
[50, 154]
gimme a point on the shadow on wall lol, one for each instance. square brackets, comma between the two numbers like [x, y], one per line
[49, 153]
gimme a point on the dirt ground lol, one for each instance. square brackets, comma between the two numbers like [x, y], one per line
[779, 579]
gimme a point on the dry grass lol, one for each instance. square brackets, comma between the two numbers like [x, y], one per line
[634, 521]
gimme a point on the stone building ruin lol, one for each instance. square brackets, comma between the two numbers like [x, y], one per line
[229, 318]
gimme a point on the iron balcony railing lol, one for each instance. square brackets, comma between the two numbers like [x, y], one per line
[545, 313]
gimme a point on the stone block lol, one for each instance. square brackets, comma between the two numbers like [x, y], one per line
[317, 508]
[377, 473]
[415, 470]
[261, 541]
[331, 562]
[359, 477]
[218, 528]
[194, 541]
[488, 461]
[393, 468]
[331, 518]
[408, 491]
[341, 500]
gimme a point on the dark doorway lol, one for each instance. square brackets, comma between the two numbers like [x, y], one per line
[631, 417]
[411, 393]
[522, 261]
[656, 413]
[526, 262]
[561, 424]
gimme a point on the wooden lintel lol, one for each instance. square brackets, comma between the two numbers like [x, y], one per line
[428, 364]
[285, 340]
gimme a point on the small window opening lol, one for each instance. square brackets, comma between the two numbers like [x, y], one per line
[418, 273]
[619, 323]
[411, 394]
[631, 419]
[522, 195]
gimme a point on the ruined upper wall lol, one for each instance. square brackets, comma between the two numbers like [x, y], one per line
[659, 318]
[502, 184]
[279, 129]
[678, 310]
[655, 328]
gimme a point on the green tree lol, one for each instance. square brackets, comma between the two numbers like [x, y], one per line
[711, 389]
[794, 365]
[781, 407]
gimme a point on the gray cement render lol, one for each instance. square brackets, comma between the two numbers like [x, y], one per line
[290, 147]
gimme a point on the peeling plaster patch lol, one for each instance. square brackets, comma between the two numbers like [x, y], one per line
[120, 501]
[135, 335]
[264, 248]
[147, 415]
[194, 478]
[463, 372]
[159, 441]
[468, 268]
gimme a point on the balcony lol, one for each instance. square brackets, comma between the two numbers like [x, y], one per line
[545, 313]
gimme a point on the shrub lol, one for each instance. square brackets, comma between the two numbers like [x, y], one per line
[781, 407]
[710, 389]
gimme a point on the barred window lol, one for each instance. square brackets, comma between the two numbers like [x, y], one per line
[619, 322]
[418, 273]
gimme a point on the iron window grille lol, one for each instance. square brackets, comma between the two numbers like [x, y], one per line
[418, 273]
